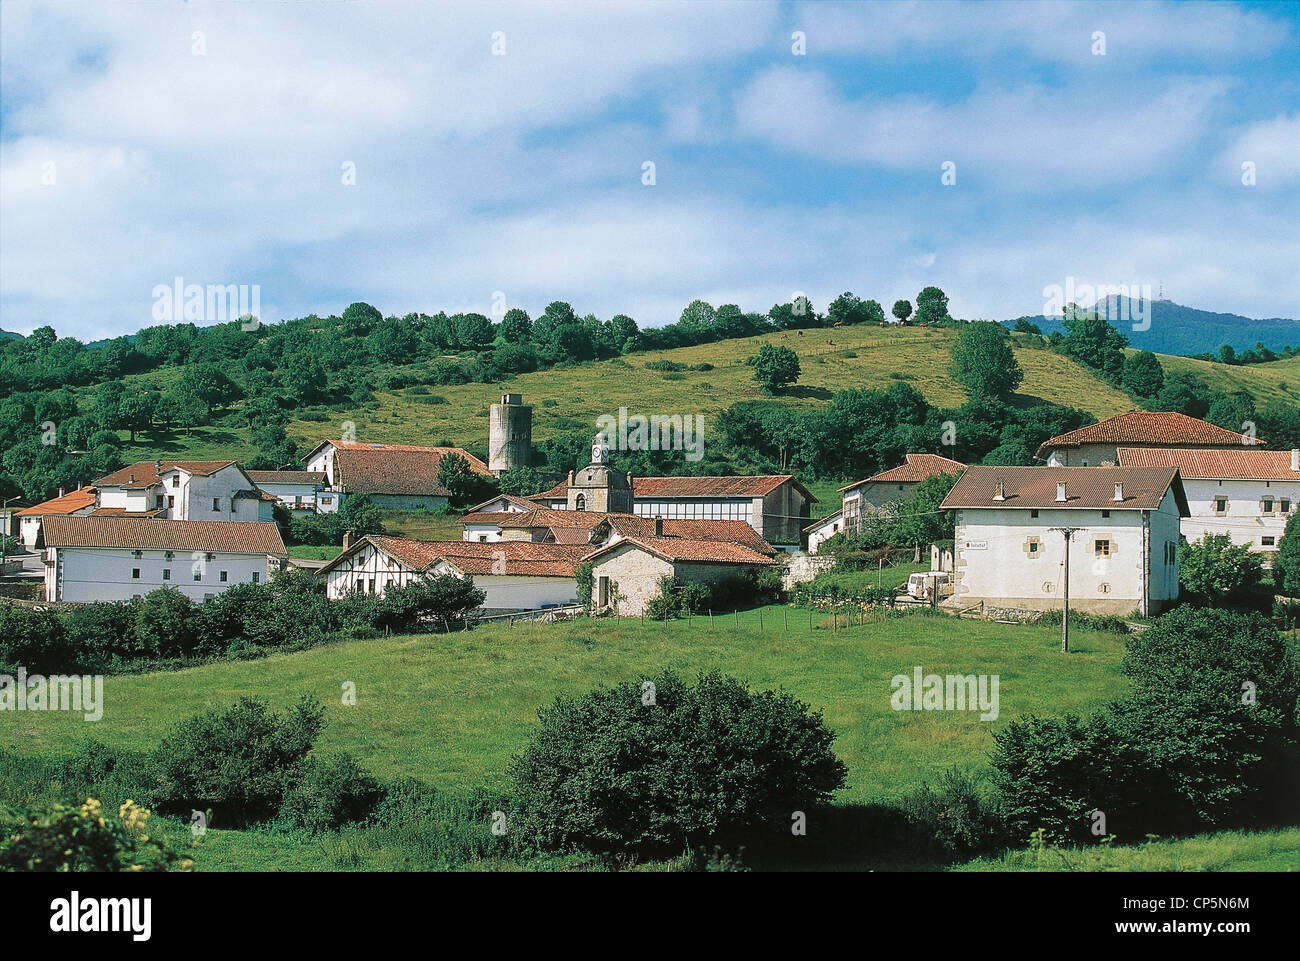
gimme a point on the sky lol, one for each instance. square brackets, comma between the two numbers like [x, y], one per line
[458, 157]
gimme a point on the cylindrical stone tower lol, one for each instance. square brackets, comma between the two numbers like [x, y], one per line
[510, 434]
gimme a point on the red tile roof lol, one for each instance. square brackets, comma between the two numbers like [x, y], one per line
[681, 549]
[915, 467]
[735, 532]
[260, 477]
[1166, 428]
[698, 487]
[472, 557]
[148, 533]
[145, 474]
[393, 469]
[69, 503]
[1085, 487]
[1213, 464]
[546, 517]
[123, 512]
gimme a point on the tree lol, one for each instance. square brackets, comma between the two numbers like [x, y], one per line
[1142, 375]
[902, 310]
[433, 600]
[1279, 425]
[136, 412]
[932, 306]
[1184, 392]
[361, 515]
[697, 320]
[775, 367]
[846, 309]
[1214, 570]
[1093, 342]
[165, 623]
[516, 326]
[360, 318]
[983, 360]
[472, 330]
[872, 312]
[1286, 563]
[611, 772]
[1025, 326]
[466, 485]
[520, 481]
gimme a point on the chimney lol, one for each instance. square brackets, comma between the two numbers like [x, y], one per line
[157, 465]
[347, 539]
[659, 527]
[1060, 492]
[1119, 491]
[1295, 459]
[60, 491]
[1000, 494]
[130, 478]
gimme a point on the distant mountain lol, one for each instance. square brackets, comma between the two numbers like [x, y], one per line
[10, 335]
[1175, 329]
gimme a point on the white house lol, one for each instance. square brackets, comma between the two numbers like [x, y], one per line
[515, 575]
[483, 521]
[1245, 492]
[298, 490]
[215, 490]
[396, 476]
[887, 487]
[1013, 522]
[1097, 445]
[117, 558]
[78, 503]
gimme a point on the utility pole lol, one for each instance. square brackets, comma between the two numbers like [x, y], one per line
[1068, 532]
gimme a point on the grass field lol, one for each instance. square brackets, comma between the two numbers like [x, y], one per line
[1278, 380]
[580, 394]
[1225, 851]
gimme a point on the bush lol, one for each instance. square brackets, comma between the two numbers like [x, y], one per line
[61, 838]
[963, 821]
[166, 624]
[242, 761]
[668, 366]
[612, 772]
[1214, 570]
[103, 630]
[331, 791]
[35, 640]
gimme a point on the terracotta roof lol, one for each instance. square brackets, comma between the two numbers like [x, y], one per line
[681, 549]
[147, 533]
[1085, 487]
[472, 557]
[915, 467]
[69, 503]
[735, 532]
[546, 517]
[1212, 464]
[1166, 428]
[824, 520]
[489, 517]
[746, 486]
[146, 474]
[522, 502]
[122, 512]
[396, 470]
[259, 495]
[260, 477]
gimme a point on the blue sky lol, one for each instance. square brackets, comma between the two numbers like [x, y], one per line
[521, 173]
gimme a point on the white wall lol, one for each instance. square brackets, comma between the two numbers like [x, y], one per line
[995, 566]
[107, 574]
[1244, 519]
[487, 533]
[818, 535]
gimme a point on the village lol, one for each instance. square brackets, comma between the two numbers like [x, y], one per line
[1106, 510]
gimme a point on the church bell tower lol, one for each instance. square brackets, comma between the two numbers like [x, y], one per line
[598, 487]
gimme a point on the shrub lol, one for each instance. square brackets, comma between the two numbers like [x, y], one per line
[35, 640]
[166, 624]
[241, 761]
[1214, 570]
[611, 772]
[60, 838]
[668, 366]
[962, 820]
[330, 792]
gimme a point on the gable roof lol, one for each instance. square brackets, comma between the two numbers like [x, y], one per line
[388, 469]
[1085, 488]
[1167, 428]
[472, 557]
[755, 485]
[915, 467]
[144, 473]
[682, 549]
[521, 502]
[823, 521]
[1213, 464]
[260, 477]
[69, 503]
[730, 531]
[148, 533]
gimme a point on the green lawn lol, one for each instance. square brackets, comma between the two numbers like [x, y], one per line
[452, 709]
[1226, 851]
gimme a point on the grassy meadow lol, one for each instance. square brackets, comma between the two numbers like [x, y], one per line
[859, 357]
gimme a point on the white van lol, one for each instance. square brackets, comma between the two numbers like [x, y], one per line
[936, 581]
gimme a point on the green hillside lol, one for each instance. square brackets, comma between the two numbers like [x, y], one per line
[567, 398]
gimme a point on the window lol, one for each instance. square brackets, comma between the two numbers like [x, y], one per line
[171, 501]
[135, 573]
[222, 578]
[216, 503]
[1101, 548]
[372, 585]
[257, 577]
[1105, 513]
[167, 573]
[1285, 505]
[176, 480]
[1220, 504]
[198, 575]
[1033, 547]
[1266, 541]
[1033, 513]
[1267, 505]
